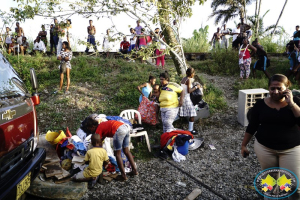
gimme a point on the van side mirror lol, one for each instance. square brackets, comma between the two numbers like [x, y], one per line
[34, 81]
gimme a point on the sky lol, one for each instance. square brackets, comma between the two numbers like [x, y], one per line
[200, 18]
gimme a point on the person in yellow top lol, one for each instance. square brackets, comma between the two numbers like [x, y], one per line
[96, 158]
[168, 100]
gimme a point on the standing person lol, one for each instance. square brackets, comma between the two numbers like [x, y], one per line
[262, 62]
[216, 39]
[146, 88]
[91, 29]
[43, 35]
[8, 37]
[132, 39]
[106, 45]
[142, 42]
[68, 27]
[275, 122]
[96, 158]
[188, 109]
[239, 40]
[225, 37]
[124, 46]
[55, 31]
[160, 53]
[245, 58]
[249, 32]
[65, 57]
[138, 30]
[168, 100]
[120, 134]
[20, 33]
[296, 36]
[62, 36]
[235, 32]
[39, 46]
[51, 39]
[24, 46]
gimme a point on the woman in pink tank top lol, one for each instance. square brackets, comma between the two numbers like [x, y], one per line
[245, 58]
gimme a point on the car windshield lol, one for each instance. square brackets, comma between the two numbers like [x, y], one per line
[10, 83]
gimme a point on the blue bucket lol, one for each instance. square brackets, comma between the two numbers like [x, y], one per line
[184, 150]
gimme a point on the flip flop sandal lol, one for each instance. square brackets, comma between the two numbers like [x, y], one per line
[120, 178]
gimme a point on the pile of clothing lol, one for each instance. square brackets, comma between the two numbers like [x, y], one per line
[178, 142]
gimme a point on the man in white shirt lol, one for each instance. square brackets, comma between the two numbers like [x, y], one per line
[225, 37]
[235, 32]
[39, 46]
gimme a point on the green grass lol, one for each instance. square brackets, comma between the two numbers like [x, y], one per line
[98, 85]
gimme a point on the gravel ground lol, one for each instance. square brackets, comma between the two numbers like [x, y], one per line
[223, 169]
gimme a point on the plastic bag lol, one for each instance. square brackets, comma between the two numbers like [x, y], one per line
[177, 157]
[147, 111]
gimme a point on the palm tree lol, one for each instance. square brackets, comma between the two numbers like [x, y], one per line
[279, 18]
[231, 9]
[263, 31]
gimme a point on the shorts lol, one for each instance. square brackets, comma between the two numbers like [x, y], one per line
[19, 40]
[121, 137]
[143, 46]
[261, 64]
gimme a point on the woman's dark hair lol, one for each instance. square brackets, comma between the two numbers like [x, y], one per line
[190, 71]
[88, 122]
[69, 20]
[165, 75]
[67, 45]
[280, 78]
[150, 78]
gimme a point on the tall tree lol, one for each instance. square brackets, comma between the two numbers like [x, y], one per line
[279, 18]
[257, 18]
[228, 9]
[149, 12]
[262, 30]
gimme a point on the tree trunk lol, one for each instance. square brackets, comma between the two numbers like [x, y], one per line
[257, 19]
[245, 11]
[177, 54]
[279, 18]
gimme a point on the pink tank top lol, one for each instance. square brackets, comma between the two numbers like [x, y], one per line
[142, 41]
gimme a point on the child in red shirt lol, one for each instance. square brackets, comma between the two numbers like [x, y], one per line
[124, 46]
[120, 134]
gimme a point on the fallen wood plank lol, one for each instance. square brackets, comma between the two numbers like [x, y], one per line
[53, 170]
[194, 194]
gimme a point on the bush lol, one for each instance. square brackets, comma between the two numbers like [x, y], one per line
[197, 43]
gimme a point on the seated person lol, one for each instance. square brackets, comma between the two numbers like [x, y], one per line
[24, 45]
[13, 48]
[39, 46]
[95, 158]
[124, 46]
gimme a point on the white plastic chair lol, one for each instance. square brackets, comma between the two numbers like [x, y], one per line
[129, 114]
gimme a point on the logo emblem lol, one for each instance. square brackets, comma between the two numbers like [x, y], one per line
[9, 114]
[276, 183]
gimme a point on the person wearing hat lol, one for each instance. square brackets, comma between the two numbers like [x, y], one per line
[225, 37]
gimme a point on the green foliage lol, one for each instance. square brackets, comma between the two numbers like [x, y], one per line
[197, 43]
[274, 47]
